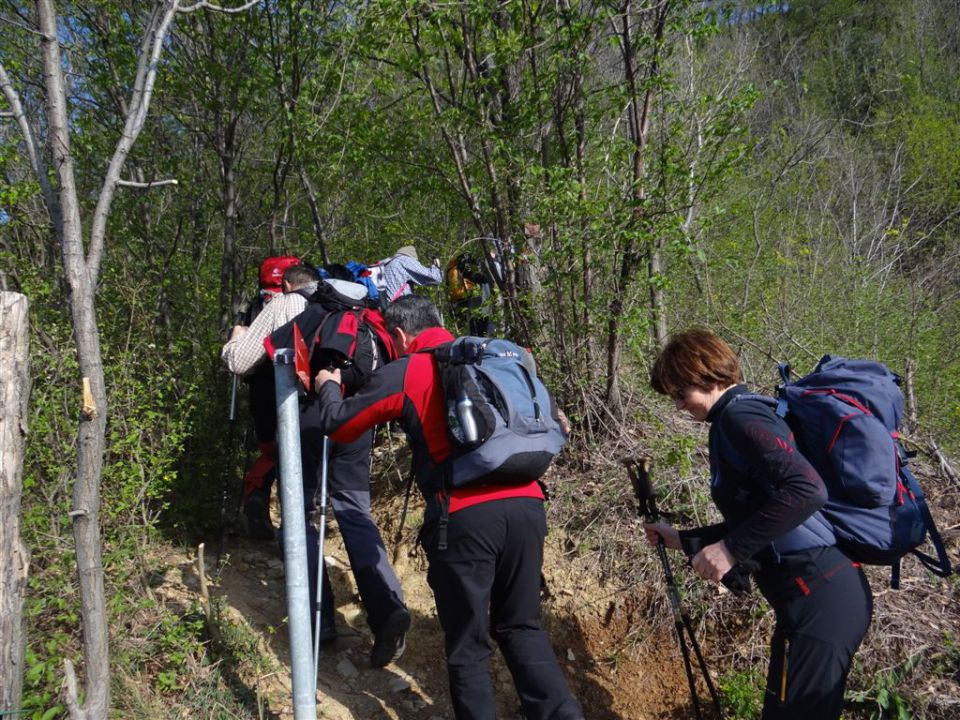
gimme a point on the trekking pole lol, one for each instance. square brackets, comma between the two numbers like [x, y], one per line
[403, 517]
[232, 415]
[320, 565]
[233, 398]
[233, 451]
[639, 473]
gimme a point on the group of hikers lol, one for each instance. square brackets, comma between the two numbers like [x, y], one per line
[484, 539]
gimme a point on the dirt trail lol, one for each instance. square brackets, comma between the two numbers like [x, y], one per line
[591, 628]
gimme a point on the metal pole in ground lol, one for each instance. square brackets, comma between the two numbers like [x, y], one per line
[294, 536]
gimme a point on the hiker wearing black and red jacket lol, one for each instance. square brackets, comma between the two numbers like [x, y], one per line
[336, 322]
[486, 582]
[769, 496]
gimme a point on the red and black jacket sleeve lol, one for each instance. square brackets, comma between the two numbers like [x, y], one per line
[380, 401]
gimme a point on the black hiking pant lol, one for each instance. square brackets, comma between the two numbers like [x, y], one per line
[348, 495]
[823, 607]
[487, 583]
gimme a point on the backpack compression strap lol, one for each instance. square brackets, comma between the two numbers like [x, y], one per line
[940, 565]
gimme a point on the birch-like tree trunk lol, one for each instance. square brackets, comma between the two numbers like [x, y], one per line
[14, 555]
[92, 391]
[81, 263]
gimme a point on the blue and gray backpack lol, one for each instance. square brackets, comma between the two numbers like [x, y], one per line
[845, 416]
[501, 418]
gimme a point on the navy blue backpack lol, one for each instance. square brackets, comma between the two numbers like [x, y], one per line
[845, 416]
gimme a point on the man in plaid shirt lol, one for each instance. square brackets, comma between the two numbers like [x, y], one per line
[282, 298]
[403, 269]
[349, 481]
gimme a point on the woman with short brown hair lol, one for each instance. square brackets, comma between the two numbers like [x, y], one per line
[769, 497]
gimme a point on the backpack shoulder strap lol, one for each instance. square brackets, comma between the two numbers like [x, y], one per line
[732, 456]
[815, 528]
[757, 397]
[374, 320]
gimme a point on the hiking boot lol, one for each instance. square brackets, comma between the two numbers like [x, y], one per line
[257, 513]
[390, 640]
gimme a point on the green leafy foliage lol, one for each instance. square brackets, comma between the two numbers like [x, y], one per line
[743, 694]
[885, 694]
[799, 190]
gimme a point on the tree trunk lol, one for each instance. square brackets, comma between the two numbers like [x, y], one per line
[315, 214]
[911, 419]
[86, 491]
[658, 298]
[14, 555]
[93, 413]
[638, 115]
[230, 270]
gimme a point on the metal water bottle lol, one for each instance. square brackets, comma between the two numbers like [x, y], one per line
[467, 422]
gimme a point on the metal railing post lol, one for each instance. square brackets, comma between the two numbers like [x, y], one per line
[294, 536]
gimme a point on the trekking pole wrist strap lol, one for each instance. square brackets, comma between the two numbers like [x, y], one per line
[443, 522]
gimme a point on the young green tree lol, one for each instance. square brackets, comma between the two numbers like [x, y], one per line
[81, 262]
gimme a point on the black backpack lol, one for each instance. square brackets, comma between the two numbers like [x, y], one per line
[338, 328]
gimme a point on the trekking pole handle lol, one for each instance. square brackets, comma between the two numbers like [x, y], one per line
[638, 470]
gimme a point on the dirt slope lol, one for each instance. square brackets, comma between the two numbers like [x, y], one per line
[592, 628]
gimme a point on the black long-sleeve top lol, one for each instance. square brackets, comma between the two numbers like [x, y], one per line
[766, 491]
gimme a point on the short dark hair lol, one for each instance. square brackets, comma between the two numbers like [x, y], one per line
[299, 275]
[695, 358]
[413, 314]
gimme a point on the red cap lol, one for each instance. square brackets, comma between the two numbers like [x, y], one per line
[271, 271]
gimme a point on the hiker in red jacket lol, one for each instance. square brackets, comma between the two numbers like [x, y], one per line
[335, 325]
[487, 580]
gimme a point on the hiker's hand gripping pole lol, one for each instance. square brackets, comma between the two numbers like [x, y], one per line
[638, 471]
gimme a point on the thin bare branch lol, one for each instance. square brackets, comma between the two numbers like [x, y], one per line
[945, 466]
[147, 185]
[33, 149]
[71, 698]
[21, 25]
[456, 150]
[204, 5]
[139, 104]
